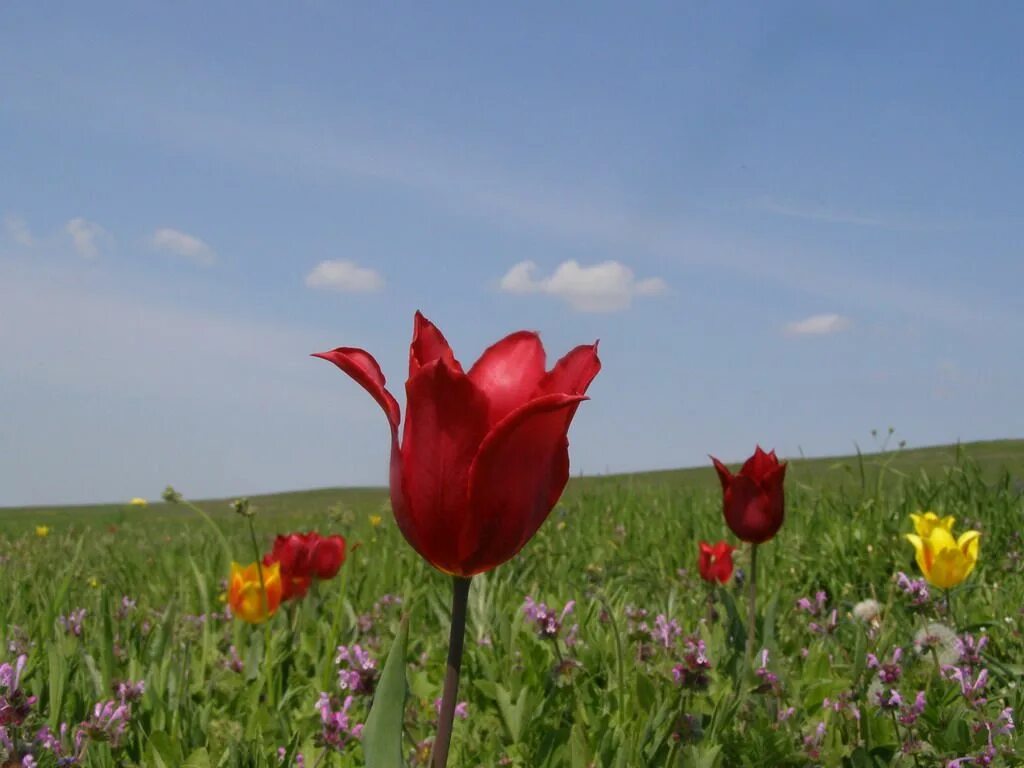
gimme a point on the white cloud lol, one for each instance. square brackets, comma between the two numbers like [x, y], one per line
[818, 325]
[344, 276]
[85, 236]
[605, 287]
[17, 229]
[184, 245]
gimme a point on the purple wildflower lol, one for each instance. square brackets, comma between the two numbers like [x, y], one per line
[357, 670]
[73, 622]
[336, 727]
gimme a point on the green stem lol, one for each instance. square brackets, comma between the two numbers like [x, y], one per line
[216, 528]
[752, 605]
[456, 640]
[259, 567]
[619, 661]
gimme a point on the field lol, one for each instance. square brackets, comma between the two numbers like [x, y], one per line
[99, 599]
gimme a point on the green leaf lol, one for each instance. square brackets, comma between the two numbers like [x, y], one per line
[646, 695]
[382, 736]
[198, 759]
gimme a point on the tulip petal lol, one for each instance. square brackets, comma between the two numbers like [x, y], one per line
[926, 522]
[445, 424]
[774, 480]
[722, 568]
[760, 464]
[326, 556]
[428, 345]
[509, 372]
[516, 479]
[949, 568]
[969, 543]
[724, 475]
[573, 373]
[920, 554]
[361, 366]
[750, 513]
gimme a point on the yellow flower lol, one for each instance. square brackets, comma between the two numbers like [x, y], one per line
[42, 531]
[925, 523]
[945, 561]
[561, 525]
[375, 520]
[247, 600]
[94, 582]
[138, 501]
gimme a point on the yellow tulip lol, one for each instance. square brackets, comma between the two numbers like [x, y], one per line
[138, 502]
[945, 561]
[42, 531]
[247, 600]
[925, 523]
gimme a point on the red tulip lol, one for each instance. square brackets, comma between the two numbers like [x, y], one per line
[327, 556]
[715, 562]
[753, 499]
[304, 557]
[484, 455]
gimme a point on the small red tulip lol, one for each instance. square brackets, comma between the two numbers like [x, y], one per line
[327, 556]
[484, 455]
[753, 499]
[715, 562]
[304, 557]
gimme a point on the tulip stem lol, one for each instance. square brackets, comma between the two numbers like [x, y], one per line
[460, 597]
[949, 609]
[752, 604]
[259, 569]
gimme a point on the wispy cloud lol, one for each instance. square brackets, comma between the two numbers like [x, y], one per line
[818, 325]
[605, 287]
[344, 276]
[827, 214]
[17, 229]
[813, 212]
[184, 245]
[85, 236]
[470, 184]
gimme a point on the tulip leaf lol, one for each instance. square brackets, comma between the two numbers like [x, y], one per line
[382, 736]
[198, 759]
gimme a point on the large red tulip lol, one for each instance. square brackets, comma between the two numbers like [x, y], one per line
[753, 498]
[484, 454]
[715, 561]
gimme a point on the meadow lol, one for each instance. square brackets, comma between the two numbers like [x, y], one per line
[598, 645]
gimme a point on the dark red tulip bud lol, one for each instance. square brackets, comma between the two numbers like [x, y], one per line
[753, 500]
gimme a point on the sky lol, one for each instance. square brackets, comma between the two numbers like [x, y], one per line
[788, 224]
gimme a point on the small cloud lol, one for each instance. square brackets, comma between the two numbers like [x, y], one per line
[184, 245]
[17, 229]
[85, 236]
[818, 325]
[605, 287]
[344, 276]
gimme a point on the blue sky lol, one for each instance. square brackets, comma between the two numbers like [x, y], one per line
[787, 223]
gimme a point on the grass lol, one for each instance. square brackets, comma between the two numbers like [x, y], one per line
[220, 692]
